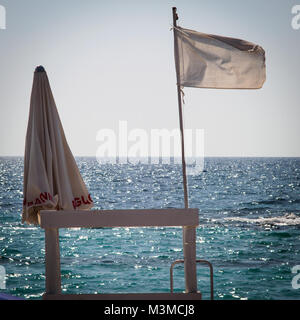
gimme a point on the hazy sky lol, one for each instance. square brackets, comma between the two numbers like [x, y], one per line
[113, 60]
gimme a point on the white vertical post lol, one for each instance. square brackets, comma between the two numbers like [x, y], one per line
[52, 261]
[189, 253]
[189, 233]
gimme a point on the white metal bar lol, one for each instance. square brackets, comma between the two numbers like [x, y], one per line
[211, 271]
[198, 261]
[118, 218]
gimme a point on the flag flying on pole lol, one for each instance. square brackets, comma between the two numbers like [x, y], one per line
[210, 61]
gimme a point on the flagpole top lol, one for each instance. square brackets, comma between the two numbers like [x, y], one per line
[175, 15]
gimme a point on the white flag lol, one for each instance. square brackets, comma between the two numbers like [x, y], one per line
[210, 61]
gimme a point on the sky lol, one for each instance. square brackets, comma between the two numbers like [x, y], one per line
[111, 61]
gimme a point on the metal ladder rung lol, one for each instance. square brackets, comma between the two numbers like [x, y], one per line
[197, 261]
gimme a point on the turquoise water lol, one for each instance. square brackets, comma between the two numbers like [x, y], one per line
[249, 229]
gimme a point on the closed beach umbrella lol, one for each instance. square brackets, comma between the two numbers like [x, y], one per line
[51, 177]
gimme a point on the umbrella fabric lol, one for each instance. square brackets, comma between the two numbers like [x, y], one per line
[51, 177]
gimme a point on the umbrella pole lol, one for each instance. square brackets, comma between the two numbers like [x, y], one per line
[189, 232]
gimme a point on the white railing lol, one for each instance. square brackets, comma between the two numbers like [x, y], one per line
[52, 221]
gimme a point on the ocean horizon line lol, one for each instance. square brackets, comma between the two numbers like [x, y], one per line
[205, 157]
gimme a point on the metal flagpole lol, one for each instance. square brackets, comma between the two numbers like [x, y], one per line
[189, 233]
[186, 199]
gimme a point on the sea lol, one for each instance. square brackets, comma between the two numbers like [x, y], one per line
[249, 214]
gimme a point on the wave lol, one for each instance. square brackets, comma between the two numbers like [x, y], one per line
[272, 202]
[289, 219]
[279, 201]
